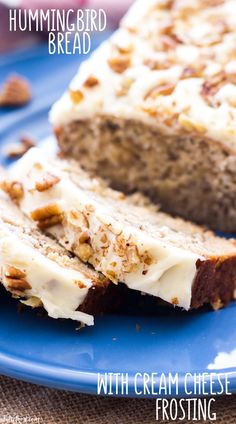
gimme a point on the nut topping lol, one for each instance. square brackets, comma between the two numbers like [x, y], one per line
[76, 96]
[14, 189]
[84, 237]
[160, 90]
[91, 81]
[50, 222]
[15, 273]
[47, 215]
[16, 150]
[47, 182]
[84, 251]
[80, 284]
[119, 63]
[15, 279]
[45, 212]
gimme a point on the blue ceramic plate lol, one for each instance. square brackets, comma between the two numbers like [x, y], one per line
[53, 353]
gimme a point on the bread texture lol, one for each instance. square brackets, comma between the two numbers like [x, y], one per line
[40, 272]
[154, 108]
[126, 238]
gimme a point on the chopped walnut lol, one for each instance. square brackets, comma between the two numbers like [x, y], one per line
[132, 261]
[165, 4]
[151, 111]
[147, 258]
[47, 215]
[27, 142]
[209, 89]
[16, 279]
[169, 42]
[47, 182]
[160, 90]
[211, 86]
[119, 63]
[76, 96]
[84, 251]
[156, 65]
[192, 72]
[38, 166]
[14, 189]
[104, 238]
[13, 272]
[124, 49]
[91, 81]
[16, 150]
[50, 222]
[15, 92]
[45, 212]
[80, 284]
[84, 237]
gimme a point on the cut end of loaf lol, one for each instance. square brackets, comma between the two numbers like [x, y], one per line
[215, 282]
[189, 176]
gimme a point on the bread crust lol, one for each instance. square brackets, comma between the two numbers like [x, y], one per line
[215, 282]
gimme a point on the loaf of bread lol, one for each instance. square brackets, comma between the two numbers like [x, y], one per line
[37, 270]
[154, 108]
[147, 250]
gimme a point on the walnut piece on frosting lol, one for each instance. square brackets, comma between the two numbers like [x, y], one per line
[84, 251]
[16, 279]
[91, 81]
[48, 215]
[119, 63]
[46, 182]
[16, 150]
[14, 189]
[76, 96]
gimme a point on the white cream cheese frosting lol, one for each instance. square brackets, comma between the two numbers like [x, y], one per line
[171, 64]
[104, 229]
[57, 287]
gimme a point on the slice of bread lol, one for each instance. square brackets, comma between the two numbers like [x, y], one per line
[37, 270]
[146, 249]
[154, 108]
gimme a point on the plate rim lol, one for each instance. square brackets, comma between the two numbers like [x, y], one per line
[54, 376]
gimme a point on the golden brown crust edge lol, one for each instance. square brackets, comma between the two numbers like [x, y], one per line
[215, 282]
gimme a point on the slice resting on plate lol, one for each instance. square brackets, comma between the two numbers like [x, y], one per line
[154, 108]
[37, 270]
[147, 250]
